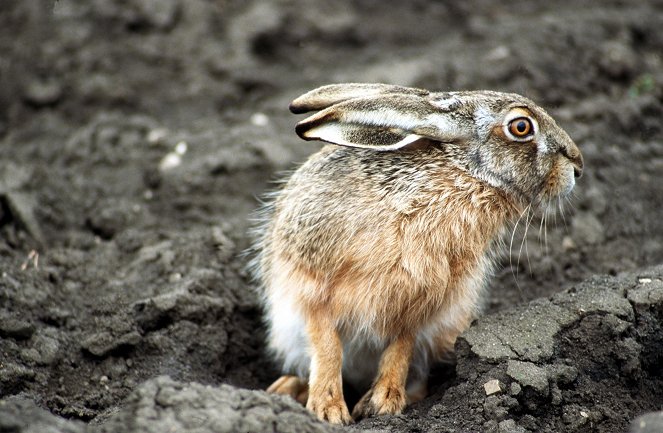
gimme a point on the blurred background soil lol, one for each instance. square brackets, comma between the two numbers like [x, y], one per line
[137, 135]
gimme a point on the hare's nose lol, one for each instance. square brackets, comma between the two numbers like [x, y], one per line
[577, 168]
[573, 154]
[578, 165]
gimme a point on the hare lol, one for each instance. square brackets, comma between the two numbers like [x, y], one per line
[374, 254]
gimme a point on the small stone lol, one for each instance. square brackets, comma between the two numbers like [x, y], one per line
[510, 426]
[515, 388]
[492, 387]
[181, 148]
[155, 136]
[43, 93]
[568, 244]
[160, 14]
[259, 119]
[170, 161]
[575, 417]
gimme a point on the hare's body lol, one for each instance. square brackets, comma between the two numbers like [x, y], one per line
[373, 262]
[386, 279]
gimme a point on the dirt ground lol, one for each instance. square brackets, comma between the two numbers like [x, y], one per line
[136, 136]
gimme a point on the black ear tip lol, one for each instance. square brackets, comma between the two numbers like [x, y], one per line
[302, 105]
[297, 108]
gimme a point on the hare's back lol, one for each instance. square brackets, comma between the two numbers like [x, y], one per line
[345, 202]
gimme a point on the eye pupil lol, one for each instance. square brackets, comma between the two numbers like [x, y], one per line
[521, 126]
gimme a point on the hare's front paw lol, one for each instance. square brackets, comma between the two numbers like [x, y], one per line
[380, 400]
[328, 408]
[294, 386]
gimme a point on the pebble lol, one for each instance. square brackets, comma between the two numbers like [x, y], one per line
[43, 93]
[103, 343]
[492, 387]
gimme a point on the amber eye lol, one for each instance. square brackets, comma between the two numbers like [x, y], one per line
[521, 127]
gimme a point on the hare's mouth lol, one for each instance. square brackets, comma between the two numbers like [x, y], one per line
[567, 174]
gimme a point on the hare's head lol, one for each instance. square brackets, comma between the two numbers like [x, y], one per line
[501, 138]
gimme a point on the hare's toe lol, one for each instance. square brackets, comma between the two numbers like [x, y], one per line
[294, 386]
[380, 400]
[333, 410]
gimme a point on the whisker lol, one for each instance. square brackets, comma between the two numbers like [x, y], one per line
[513, 234]
[560, 204]
[545, 232]
[543, 219]
[528, 221]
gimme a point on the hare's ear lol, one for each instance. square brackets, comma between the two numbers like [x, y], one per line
[387, 122]
[325, 96]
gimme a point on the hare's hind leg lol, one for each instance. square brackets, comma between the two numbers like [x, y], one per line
[388, 395]
[294, 386]
[325, 397]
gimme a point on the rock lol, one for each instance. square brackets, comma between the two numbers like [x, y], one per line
[22, 206]
[493, 410]
[592, 297]
[20, 415]
[111, 216]
[16, 328]
[562, 374]
[649, 423]
[531, 337]
[103, 343]
[574, 416]
[648, 291]
[162, 404]
[45, 348]
[528, 374]
[510, 426]
[13, 377]
[162, 310]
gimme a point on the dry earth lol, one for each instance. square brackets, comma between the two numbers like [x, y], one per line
[136, 135]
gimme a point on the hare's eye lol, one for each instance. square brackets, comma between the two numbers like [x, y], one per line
[521, 127]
